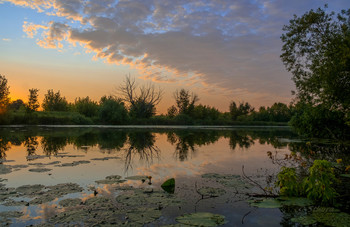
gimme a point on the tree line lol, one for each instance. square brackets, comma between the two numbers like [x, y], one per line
[316, 50]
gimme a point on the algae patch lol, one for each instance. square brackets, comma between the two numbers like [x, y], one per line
[211, 192]
[39, 170]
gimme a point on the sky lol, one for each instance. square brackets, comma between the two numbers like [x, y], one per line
[221, 50]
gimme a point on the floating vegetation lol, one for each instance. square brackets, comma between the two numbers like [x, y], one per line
[326, 215]
[74, 163]
[169, 185]
[39, 170]
[45, 164]
[265, 203]
[140, 197]
[29, 190]
[5, 217]
[18, 166]
[228, 180]
[202, 219]
[70, 202]
[211, 192]
[11, 202]
[5, 169]
[143, 216]
[104, 158]
[113, 179]
[137, 177]
[281, 201]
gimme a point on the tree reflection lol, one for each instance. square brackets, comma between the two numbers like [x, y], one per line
[52, 144]
[111, 140]
[4, 146]
[31, 143]
[242, 139]
[142, 145]
[186, 141]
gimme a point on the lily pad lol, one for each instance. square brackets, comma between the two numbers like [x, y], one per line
[228, 180]
[113, 179]
[5, 169]
[39, 170]
[104, 158]
[70, 202]
[211, 192]
[265, 203]
[11, 202]
[144, 215]
[304, 220]
[29, 190]
[169, 185]
[295, 201]
[137, 177]
[345, 175]
[331, 216]
[202, 219]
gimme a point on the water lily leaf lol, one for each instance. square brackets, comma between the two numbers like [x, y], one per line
[137, 177]
[70, 202]
[331, 216]
[345, 175]
[266, 203]
[212, 192]
[144, 215]
[202, 219]
[169, 185]
[304, 220]
[113, 179]
[295, 201]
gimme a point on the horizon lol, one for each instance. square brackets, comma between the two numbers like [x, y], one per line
[222, 51]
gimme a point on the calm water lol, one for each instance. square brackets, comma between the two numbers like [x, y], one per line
[182, 153]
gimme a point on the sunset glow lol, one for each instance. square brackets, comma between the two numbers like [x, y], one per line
[221, 50]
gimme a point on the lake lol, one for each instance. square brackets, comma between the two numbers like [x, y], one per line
[102, 175]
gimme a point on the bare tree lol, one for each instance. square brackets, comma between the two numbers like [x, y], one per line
[142, 100]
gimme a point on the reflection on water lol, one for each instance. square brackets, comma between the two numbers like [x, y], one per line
[84, 155]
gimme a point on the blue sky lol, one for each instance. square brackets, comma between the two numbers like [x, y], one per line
[222, 50]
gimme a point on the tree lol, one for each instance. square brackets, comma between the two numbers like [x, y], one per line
[16, 105]
[33, 103]
[112, 111]
[54, 102]
[142, 100]
[185, 101]
[316, 51]
[4, 94]
[86, 107]
[242, 110]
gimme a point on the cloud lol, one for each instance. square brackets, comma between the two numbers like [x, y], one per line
[231, 47]
[6, 39]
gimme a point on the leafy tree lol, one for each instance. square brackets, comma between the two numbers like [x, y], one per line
[242, 110]
[172, 111]
[112, 111]
[4, 94]
[316, 51]
[203, 112]
[33, 103]
[86, 107]
[54, 102]
[142, 100]
[16, 105]
[185, 101]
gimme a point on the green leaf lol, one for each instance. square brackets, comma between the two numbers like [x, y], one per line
[265, 203]
[169, 185]
[295, 201]
[304, 220]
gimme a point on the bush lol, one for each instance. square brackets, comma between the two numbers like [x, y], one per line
[113, 112]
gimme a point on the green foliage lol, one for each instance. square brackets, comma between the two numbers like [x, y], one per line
[316, 51]
[33, 103]
[185, 101]
[205, 113]
[112, 111]
[243, 109]
[86, 107]
[4, 94]
[319, 121]
[16, 105]
[142, 109]
[54, 102]
[319, 183]
[289, 182]
[172, 111]
[317, 186]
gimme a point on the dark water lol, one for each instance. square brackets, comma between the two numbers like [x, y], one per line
[182, 153]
